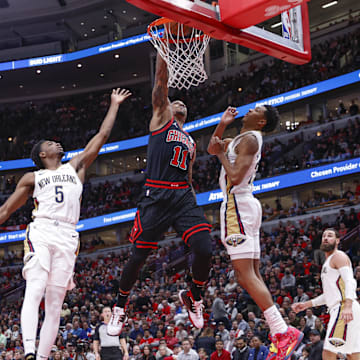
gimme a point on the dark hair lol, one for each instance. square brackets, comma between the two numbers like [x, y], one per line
[334, 230]
[35, 154]
[219, 340]
[272, 118]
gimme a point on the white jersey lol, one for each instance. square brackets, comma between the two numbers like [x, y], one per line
[333, 284]
[246, 185]
[57, 194]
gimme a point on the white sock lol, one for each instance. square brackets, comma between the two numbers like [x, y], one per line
[30, 313]
[275, 320]
[54, 298]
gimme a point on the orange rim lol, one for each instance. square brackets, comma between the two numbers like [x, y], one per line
[161, 22]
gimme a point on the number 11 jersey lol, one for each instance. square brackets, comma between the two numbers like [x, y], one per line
[170, 150]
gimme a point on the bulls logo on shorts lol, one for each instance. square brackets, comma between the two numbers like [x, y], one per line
[235, 240]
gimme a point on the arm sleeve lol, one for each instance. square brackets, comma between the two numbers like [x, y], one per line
[349, 281]
[318, 301]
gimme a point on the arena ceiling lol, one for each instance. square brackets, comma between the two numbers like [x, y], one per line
[87, 23]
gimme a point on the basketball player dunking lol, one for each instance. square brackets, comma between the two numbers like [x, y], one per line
[167, 199]
[339, 296]
[52, 242]
[240, 216]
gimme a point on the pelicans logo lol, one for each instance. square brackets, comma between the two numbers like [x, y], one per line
[235, 240]
[336, 342]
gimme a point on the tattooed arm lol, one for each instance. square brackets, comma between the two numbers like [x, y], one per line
[160, 102]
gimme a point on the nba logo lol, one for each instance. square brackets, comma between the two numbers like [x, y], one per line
[286, 25]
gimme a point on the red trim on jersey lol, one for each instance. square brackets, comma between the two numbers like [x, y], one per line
[164, 128]
[145, 246]
[169, 185]
[194, 227]
[197, 282]
[163, 182]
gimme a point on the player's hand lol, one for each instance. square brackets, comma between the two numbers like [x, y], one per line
[97, 356]
[119, 95]
[297, 307]
[347, 313]
[126, 356]
[216, 146]
[229, 115]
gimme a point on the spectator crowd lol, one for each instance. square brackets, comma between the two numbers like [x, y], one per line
[158, 325]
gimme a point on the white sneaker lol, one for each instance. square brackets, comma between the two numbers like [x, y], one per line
[194, 308]
[117, 321]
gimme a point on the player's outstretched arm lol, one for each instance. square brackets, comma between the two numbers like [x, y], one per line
[227, 118]
[19, 197]
[160, 101]
[86, 158]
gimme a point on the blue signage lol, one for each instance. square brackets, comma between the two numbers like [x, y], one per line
[208, 121]
[325, 172]
[61, 58]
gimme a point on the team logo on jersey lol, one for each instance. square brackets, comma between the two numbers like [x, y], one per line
[336, 342]
[235, 240]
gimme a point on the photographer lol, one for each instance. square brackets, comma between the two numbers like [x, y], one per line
[109, 347]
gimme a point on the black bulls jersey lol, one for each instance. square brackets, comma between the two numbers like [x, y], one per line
[169, 153]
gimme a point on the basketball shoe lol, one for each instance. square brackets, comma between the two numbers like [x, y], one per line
[117, 321]
[194, 308]
[272, 351]
[287, 342]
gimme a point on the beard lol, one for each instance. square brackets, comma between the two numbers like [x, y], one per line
[327, 247]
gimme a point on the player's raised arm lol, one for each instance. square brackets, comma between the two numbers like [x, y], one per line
[160, 101]
[226, 119]
[19, 197]
[86, 158]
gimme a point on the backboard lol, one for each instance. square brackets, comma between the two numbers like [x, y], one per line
[235, 21]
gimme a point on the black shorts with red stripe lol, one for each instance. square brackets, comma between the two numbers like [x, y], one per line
[164, 204]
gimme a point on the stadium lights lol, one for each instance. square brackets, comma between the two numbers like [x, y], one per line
[21, 86]
[332, 3]
[273, 26]
[79, 65]
[1, 77]
[38, 71]
[93, 29]
[116, 56]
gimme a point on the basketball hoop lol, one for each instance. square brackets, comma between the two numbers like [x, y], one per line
[182, 48]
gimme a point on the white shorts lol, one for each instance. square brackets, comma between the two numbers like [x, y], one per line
[54, 246]
[240, 217]
[341, 338]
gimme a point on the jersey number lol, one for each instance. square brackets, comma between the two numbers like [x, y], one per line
[175, 160]
[59, 195]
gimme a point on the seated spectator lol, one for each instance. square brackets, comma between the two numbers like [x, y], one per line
[220, 353]
[257, 350]
[148, 355]
[187, 353]
[241, 350]
[206, 340]
[316, 345]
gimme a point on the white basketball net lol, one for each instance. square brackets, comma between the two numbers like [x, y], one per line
[183, 54]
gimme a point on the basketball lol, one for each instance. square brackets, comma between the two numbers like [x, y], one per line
[176, 28]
